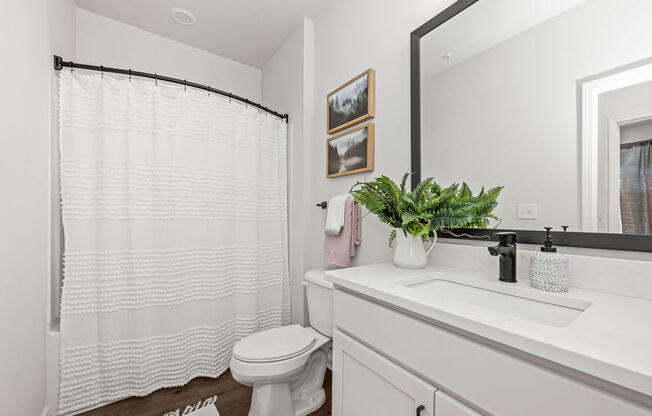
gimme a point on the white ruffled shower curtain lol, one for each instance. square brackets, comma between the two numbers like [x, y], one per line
[174, 209]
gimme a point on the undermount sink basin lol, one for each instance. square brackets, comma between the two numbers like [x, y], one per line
[555, 312]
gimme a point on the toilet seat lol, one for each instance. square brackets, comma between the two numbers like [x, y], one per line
[276, 344]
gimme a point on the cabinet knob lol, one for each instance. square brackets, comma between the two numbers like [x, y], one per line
[420, 409]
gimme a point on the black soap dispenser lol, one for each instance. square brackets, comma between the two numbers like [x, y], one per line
[547, 245]
[549, 269]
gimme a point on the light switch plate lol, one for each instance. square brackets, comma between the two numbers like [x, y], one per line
[527, 211]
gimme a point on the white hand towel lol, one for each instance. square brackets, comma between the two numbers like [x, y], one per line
[335, 214]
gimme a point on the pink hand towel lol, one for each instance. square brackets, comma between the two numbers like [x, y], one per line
[338, 249]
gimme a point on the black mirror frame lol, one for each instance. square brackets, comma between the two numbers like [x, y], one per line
[608, 241]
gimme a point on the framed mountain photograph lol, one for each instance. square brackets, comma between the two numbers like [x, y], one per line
[350, 152]
[352, 103]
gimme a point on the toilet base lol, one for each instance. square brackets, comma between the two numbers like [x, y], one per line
[276, 399]
[297, 397]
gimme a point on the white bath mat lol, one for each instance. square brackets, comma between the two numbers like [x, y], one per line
[205, 411]
[201, 408]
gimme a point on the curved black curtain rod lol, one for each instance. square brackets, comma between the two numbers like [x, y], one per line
[59, 64]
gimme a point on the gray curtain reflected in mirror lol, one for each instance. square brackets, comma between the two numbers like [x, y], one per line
[636, 187]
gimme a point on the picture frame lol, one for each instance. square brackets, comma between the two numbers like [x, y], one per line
[352, 103]
[350, 152]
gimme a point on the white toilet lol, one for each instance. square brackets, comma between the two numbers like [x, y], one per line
[286, 365]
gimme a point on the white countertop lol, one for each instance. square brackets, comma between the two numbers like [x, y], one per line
[611, 339]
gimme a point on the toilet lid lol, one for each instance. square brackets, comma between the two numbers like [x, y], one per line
[274, 344]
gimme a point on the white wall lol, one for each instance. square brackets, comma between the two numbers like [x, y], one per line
[508, 116]
[350, 37]
[103, 41]
[36, 30]
[287, 88]
[62, 16]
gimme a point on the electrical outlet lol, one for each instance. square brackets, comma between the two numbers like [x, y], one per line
[527, 212]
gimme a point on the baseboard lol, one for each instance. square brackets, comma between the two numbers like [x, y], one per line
[46, 411]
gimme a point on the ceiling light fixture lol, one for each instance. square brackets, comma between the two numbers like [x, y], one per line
[183, 16]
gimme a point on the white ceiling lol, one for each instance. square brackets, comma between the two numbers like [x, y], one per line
[247, 31]
[483, 25]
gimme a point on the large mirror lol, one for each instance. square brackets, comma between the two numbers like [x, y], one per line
[551, 99]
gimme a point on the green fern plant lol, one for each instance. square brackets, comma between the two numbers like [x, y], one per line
[428, 207]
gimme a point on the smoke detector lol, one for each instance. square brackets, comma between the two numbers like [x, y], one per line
[183, 16]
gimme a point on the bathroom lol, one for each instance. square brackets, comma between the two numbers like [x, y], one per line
[190, 216]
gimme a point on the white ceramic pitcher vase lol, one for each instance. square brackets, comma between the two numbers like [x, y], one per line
[409, 252]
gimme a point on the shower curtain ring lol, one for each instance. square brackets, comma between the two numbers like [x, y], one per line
[130, 75]
[184, 85]
[209, 90]
[156, 79]
[102, 71]
[72, 64]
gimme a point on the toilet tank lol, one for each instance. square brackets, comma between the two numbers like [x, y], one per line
[319, 294]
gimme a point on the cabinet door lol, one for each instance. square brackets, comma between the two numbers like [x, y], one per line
[447, 406]
[366, 383]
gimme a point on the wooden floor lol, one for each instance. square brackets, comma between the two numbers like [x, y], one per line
[233, 399]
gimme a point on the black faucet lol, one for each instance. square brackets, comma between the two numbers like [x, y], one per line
[506, 252]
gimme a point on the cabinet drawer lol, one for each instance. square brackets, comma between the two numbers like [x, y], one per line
[490, 379]
[366, 383]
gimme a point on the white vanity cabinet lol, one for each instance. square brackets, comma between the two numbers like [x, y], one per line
[366, 383]
[378, 352]
[448, 406]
